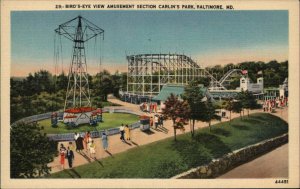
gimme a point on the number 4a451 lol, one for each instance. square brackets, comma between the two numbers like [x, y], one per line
[282, 181]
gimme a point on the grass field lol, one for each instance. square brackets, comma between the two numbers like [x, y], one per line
[167, 158]
[111, 120]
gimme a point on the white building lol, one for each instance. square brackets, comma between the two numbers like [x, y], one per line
[245, 84]
[283, 89]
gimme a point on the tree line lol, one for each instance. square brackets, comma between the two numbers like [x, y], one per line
[43, 92]
[273, 72]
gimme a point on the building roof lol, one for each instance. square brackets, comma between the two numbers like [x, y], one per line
[80, 110]
[166, 91]
[177, 90]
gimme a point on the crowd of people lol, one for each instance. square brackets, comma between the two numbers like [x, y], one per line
[158, 120]
[270, 104]
[85, 145]
[149, 107]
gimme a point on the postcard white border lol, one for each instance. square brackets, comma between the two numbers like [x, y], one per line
[291, 5]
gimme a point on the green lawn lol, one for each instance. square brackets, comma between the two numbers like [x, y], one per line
[111, 120]
[166, 158]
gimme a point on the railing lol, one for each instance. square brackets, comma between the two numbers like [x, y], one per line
[38, 117]
[70, 136]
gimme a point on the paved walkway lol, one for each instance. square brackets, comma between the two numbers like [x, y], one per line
[133, 107]
[138, 138]
[271, 165]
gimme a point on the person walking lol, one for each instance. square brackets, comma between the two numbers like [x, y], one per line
[86, 140]
[70, 157]
[156, 121]
[71, 146]
[127, 132]
[62, 153]
[161, 121]
[151, 121]
[80, 142]
[89, 141]
[92, 149]
[104, 141]
[158, 117]
[76, 136]
[122, 132]
[151, 108]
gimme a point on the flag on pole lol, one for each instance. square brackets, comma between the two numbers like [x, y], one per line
[244, 72]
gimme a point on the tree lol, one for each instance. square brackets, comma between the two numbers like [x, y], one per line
[177, 110]
[43, 81]
[103, 84]
[106, 87]
[241, 97]
[194, 97]
[228, 105]
[29, 85]
[205, 81]
[237, 107]
[61, 82]
[116, 83]
[123, 81]
[248, 101]
[16, 87]
[209, 113]
[30, 151]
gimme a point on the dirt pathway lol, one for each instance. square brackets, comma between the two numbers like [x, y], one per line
[126, 105]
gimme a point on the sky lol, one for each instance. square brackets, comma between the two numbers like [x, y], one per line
[208, 37]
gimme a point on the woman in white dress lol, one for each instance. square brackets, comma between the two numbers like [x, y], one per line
[92, 149]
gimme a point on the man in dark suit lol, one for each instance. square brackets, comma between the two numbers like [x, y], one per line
[70, 156]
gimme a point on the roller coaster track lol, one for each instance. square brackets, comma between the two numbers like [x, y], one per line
[218, 85]
[214, 83]
[228, 74]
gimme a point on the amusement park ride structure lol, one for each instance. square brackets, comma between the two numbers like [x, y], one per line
[78, 107]
[218, 90]
[148, 73]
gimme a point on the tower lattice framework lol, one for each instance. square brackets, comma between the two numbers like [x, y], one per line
[79, 30]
